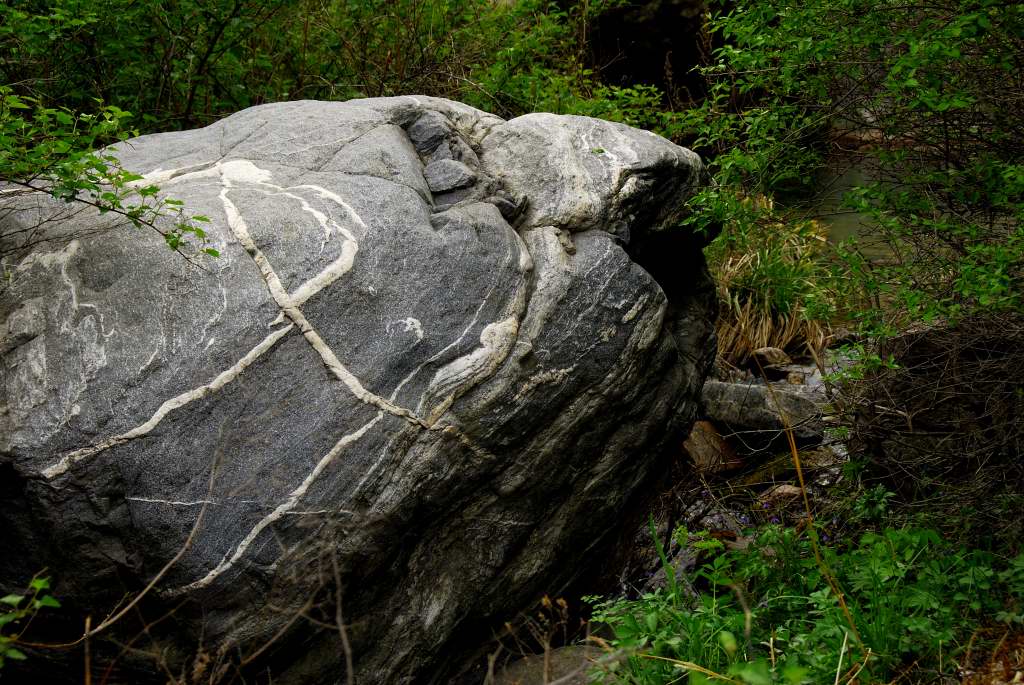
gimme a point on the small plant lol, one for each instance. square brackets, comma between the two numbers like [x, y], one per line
[774, 285]
[56, 152]
[770, 615]
[873, 504]
[17, 612]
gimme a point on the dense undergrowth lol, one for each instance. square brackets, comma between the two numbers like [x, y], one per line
[892, 604]
[925, 573]
[923, 97]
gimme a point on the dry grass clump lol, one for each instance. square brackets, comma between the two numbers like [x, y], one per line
[745, 327]
[773, 280]
[944, 424]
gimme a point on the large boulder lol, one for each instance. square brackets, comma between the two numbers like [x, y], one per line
[435, 361]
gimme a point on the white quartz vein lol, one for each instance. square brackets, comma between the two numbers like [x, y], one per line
[415, 372]
[635, 309]
[543, 378]
[409, 325]
[285, 507]
[341, 264]
[496, 342]
[232, 502]
[246, 171]
[222, 379]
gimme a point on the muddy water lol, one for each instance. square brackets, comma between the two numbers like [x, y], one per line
[843, 223]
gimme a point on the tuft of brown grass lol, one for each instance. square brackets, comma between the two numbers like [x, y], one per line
[771, 272]
[745, 327]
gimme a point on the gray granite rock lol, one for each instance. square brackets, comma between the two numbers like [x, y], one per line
[442, 412]
[752, 409]
[446, 175]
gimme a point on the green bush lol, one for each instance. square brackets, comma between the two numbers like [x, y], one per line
[783, 612]
[188, 64]
[916, 94]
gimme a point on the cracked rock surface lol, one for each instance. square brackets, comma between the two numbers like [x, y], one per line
[440, 391]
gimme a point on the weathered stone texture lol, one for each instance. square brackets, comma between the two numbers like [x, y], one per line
[449, 386]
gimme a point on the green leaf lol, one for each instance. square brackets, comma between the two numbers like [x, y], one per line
[48, 601]
[753, 673]
[652, 622]
[728, 642]
[794, 675]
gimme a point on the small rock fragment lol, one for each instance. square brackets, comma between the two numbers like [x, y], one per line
[427, 132]
[780, 494]
[446, 175]
[752, 408]
[770, 356]
[709, 450]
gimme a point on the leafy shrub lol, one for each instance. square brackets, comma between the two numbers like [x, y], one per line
[17, 612]
[914, 93]
[186, 65]
[781, 612]
[56, 152]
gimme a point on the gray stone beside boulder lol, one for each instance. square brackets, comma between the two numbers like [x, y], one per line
[762, 412]
[441, 392]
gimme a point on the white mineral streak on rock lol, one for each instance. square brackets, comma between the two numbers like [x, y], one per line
[551, 280]
[432, 422]
[574, 176]
[180, 503]
[648, 327]
[167, 407]
[343, 263]
[436, 604]
[282, 509]
[214, 318]
[409, 325]
[23, 348]
[216, 503]
[163, 177]
[65, 256]
[332, 272]
[583, 315]
[22, 324]
[637, 306]
[29, 379]
[62, 258]
[415, 372]
[543, 378]
[245, 171]
[511, 326]
[496, 342]
[48, 260]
